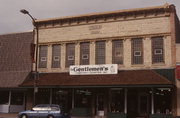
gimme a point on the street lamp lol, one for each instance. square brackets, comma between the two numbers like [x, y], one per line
[37, 43]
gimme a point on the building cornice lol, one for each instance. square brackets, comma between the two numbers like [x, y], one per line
[128, 14]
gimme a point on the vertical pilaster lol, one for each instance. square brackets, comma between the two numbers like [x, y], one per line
[108, 52]
[127, 53]
[63, 56]
[92, 53]
[147, 52]
[125, 101]
[49, 57]
[152, 101]
[73, 98]
[77, 53]
[50, 99]
[168, 51]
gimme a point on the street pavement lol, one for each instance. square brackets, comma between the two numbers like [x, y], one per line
[8, 115]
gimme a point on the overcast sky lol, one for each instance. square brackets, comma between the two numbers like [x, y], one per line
[11, 20]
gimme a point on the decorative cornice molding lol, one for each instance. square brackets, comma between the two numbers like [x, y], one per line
[131, 14]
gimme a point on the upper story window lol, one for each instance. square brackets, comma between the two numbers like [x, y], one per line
[157, 50]
[137, 51]
[43, 56]
[70, 54]
[56, 50]
[117, 51]
[84, 53]
[100, 52]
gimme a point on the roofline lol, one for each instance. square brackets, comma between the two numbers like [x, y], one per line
[165, 6]
[13, 33]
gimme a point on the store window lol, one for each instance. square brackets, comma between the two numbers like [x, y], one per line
[100, 52]
[4, 99]
[84, 53]
[56, 50]
[137, 51]
[117, 51]
[157, 50]
[43, 56]
[117, 100]
[62, 97]
[83, 98]
[163, 100]
[70, 54]
[43, 96]
[17, 98]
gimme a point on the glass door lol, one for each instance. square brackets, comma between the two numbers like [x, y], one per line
[100, 104]
[143, 104]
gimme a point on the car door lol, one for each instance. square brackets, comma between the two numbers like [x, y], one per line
[43, 113]
[32, 114]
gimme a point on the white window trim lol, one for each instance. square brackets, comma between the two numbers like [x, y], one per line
[85, 56]
[70, 57]
[43, 58]
[56, 58]
[156, 51]
[135, 53]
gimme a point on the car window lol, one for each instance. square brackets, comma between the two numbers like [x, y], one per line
[46, 107]
[41, 108]
[55, 109]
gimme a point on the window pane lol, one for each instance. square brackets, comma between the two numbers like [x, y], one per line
[43, 56]
[70, 54]
[117, 100]
[137, 51]
[84, 53]
[17, 98]
[162, 100]
[83, 98]
[56, 49]
[157, 50]
[100, 52]
[43, 96]
[117, 52]
[4, 99]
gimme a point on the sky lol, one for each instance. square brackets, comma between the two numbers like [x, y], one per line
[13, 21]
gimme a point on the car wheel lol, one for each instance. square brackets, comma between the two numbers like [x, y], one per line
[24, 116]
[50, 116]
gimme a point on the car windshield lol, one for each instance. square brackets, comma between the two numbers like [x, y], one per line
[46, 108]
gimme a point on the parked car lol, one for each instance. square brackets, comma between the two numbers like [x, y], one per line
[43, 111]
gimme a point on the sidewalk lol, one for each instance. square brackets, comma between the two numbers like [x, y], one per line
[8, 115]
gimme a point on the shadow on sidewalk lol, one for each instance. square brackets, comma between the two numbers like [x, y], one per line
[8, 115]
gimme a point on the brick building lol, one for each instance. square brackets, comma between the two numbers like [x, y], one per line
[141, 42]
[15, 67]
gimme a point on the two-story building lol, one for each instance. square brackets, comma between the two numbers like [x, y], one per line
[136, 46]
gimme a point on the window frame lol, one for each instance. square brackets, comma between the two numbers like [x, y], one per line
[159, 41]
[84, 50]
[43, 56]
[137, 46]
[118, 47]
[70, 51]
[56, 53]
[100, 55]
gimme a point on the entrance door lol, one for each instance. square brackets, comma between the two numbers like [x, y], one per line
[100, 104]
[143, 104]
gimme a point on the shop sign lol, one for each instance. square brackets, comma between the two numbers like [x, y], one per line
[93, 69]
[178, 72]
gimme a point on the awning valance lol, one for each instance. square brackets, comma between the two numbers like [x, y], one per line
[123, 78]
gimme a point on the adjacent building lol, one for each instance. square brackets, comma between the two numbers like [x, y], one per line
[15, 67]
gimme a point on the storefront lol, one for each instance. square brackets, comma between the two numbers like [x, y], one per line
[12, 101]
[111, 96]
